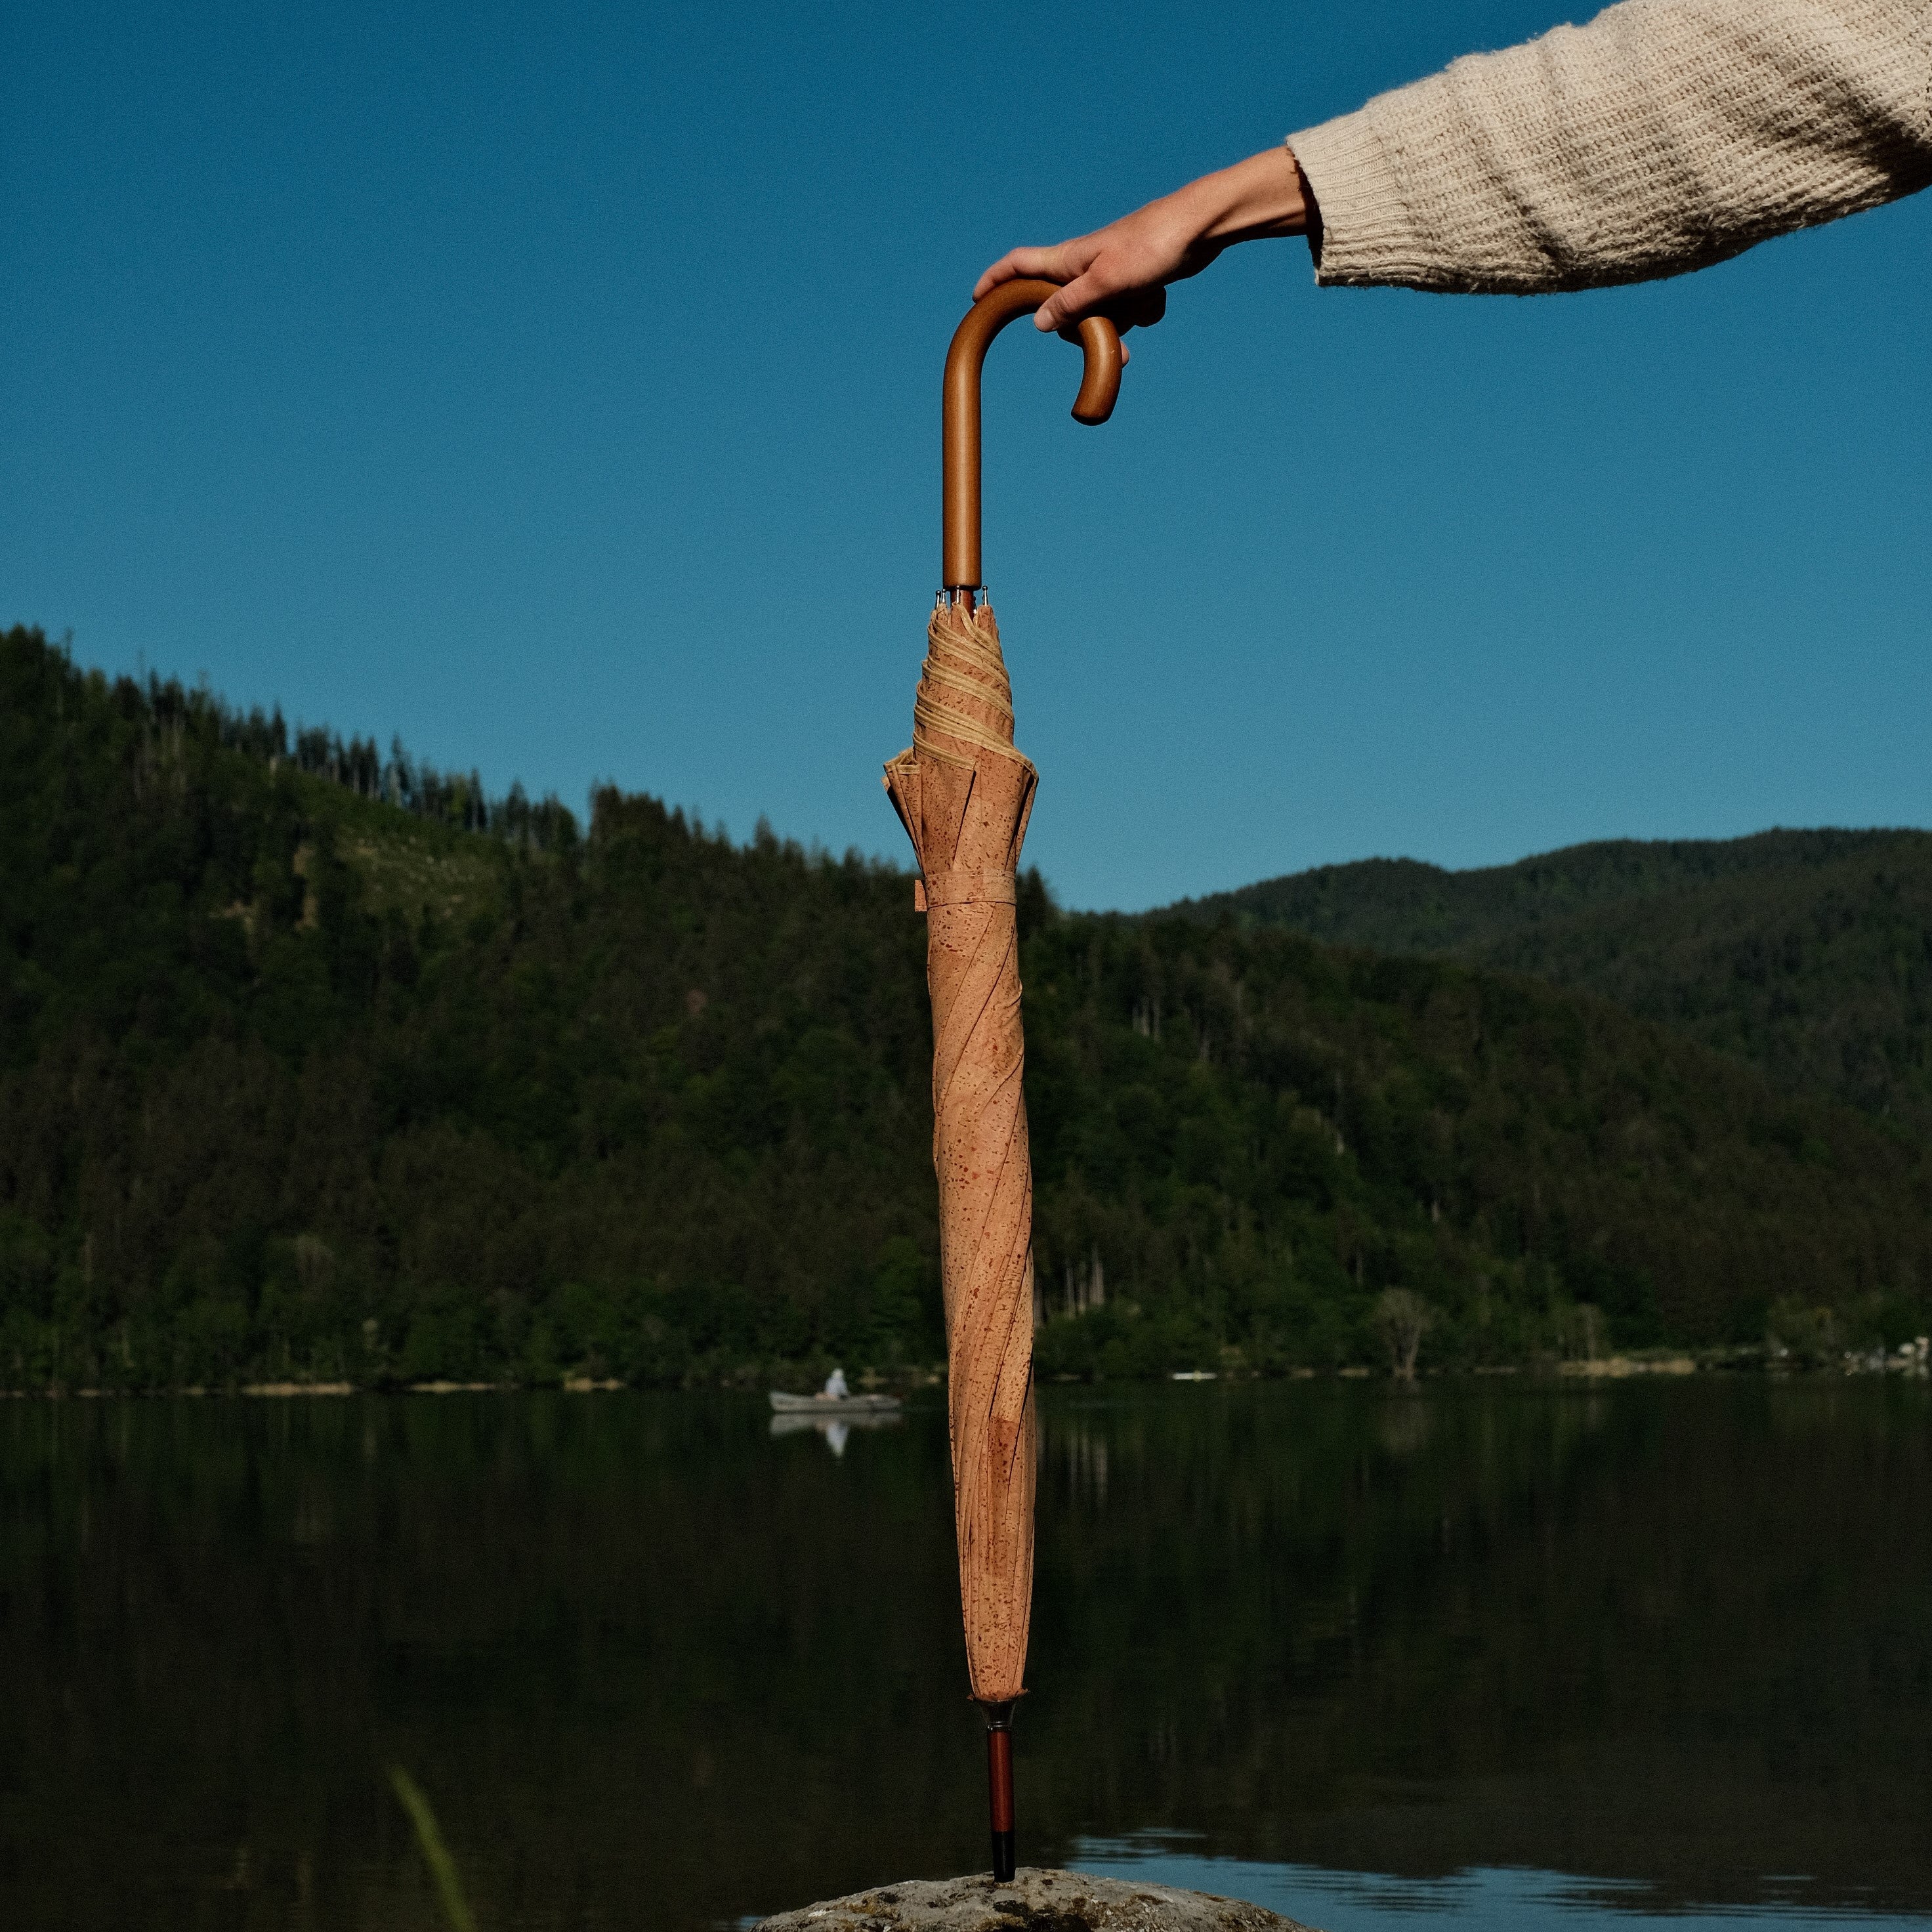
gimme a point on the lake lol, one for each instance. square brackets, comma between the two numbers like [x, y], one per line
[1502, 1653]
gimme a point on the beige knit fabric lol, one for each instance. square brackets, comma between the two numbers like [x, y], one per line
[1665, 135]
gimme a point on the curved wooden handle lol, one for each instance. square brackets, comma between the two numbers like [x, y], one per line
[1099, 388]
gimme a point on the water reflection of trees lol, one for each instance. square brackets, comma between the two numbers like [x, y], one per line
[1679, 1634]
[1073, 1457]
[635, 1649]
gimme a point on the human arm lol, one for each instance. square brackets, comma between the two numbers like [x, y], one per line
[1665, 135]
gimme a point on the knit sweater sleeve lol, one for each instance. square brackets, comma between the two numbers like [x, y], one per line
[1665, 135]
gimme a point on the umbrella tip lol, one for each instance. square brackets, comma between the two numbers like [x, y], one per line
[1000, 1783]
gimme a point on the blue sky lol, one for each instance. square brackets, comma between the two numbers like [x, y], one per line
[558, 387]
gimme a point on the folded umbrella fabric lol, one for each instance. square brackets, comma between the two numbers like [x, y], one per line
[964, 794]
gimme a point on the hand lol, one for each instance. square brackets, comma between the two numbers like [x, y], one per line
[1122, 270]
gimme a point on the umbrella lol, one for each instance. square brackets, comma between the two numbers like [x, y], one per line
[964, 793]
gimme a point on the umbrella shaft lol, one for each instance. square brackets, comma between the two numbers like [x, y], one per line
[1000, 1795]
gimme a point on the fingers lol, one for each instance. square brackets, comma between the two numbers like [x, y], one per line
[1140, 311]
[1097, 279]
[1097, 293]
[1058, 264]
[1077, 300]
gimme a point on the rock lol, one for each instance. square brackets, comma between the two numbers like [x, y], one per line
[1034, 1901]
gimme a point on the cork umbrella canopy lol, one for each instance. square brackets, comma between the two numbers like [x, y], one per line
[963, 792]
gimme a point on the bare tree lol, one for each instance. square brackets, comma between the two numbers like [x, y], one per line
[1585, 1331]
[1402, 1318]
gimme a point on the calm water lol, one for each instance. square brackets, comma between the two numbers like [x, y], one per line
[1505, 1655]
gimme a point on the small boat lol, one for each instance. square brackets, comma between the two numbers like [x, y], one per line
[830, 1406]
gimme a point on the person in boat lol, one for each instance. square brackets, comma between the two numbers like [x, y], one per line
[835, 1388]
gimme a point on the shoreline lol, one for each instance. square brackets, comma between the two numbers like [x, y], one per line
[1667, 1364]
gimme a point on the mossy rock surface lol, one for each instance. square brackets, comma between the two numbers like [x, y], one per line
[1036, 1901]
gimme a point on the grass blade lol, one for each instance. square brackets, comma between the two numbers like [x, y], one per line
[455, 1906]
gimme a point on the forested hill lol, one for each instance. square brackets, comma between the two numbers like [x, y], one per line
[295, 1083]
[1808, 953]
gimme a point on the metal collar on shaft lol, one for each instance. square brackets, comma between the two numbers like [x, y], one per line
[1099, 388]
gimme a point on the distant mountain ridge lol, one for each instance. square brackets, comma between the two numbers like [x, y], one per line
[1808, 953]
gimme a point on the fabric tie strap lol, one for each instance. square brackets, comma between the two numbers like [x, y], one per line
[961, 886]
